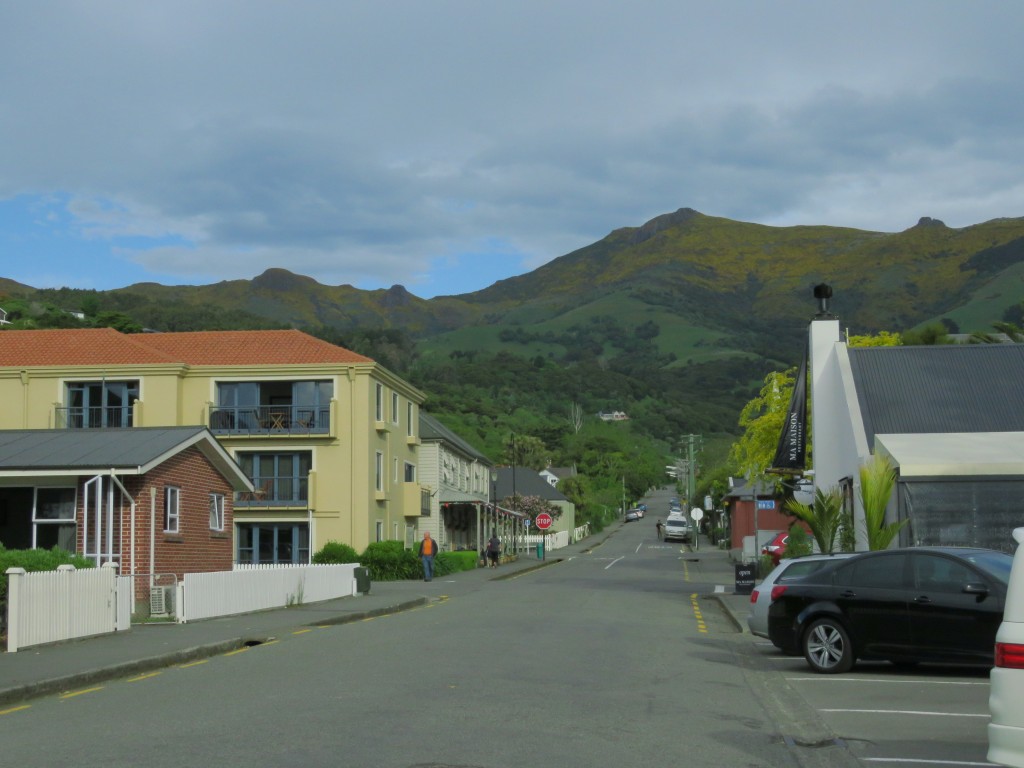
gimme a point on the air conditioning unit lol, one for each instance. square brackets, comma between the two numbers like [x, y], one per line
[161, 600]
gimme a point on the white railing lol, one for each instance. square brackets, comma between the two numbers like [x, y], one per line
[257, 588]
[50, 606]
[551, 541]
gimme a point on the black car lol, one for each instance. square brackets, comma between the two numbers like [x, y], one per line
[906, 606]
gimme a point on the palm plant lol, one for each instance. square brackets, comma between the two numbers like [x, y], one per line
[823, 517]
[877, 478]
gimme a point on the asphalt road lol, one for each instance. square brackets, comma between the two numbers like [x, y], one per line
[616, 657]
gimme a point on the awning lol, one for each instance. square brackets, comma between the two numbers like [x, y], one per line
[960, 454]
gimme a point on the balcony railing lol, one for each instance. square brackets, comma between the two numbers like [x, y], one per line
[270, 420]
[282, 491]
[93, 418]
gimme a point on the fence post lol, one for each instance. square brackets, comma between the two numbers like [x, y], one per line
[13, 607]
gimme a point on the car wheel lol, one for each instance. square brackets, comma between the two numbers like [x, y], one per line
[827, 647]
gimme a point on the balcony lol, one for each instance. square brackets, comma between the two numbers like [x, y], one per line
[93, 418]
[285, 491]
[270, 420]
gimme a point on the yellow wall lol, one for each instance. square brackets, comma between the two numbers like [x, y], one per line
[343, 500]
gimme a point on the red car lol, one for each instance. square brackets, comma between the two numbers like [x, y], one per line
[776, 547]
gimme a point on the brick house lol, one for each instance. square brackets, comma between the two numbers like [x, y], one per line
[156, 501]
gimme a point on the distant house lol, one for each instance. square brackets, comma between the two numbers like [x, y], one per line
[3, 317]
[153, 500]
[523, 481]
[554, 474]
[612, 416]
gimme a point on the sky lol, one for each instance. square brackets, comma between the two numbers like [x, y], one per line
[444, 145]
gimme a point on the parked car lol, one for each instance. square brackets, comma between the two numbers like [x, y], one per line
[1006, 691]
[677, 528]
[787, 570]
[905, 606]
[632, 515]
[776, 548]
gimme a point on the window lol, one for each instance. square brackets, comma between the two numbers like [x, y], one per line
[380, 531]
[394, 407]
[53, 518]
[96, 404]
[273, 543]
[380, 402]
[409, 414]
[410, 472]
[216, 512]
[172, 509]
[277, 477]
[394, 477]
[379, 480]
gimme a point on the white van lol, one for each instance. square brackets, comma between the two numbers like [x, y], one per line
[1006, 728]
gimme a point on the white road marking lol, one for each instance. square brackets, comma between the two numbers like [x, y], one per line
[822, 679]
[613, 562]
[901, 712]
[914, 761]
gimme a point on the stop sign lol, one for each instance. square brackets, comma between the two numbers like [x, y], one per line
[544, 521]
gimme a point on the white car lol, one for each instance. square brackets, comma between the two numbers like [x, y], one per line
[1006, 691]
[677, 528]
[787, 569]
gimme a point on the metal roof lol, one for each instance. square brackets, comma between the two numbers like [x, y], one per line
[939, 389]
[133, 450]
[528, 482]
[432, 429]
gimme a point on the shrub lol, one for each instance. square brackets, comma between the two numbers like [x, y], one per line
[453, 562]
[36, 560]
[334, 553]
[391, 561]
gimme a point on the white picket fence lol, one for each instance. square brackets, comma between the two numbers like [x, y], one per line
[49, 606]
[257, 588]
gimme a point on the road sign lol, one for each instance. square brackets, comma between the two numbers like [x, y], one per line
[697, 514]
[526, 523]
[544, 521]
[765, 504]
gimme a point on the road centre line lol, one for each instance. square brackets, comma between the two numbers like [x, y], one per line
[613, 562]
[901, 712]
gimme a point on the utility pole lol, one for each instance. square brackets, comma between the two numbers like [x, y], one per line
[694, 443]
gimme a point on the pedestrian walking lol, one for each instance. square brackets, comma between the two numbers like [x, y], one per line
[660, 528]
[493, 550]
[428, 549]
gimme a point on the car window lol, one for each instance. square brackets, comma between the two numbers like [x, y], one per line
[995, 564]
[880, 572]
[802, 568]
[941, 574]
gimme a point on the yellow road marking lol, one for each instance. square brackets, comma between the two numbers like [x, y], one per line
[298, 632]
[12, 710]
[237, 651]
[701, 626]
[79, 693]
[142, 677]
[194, 663]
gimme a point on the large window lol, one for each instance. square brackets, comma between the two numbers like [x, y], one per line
[273, 543]
[394, 407]
[53, 518]
[96, 404]
[172, 509]
[410, 472]
[279, 478]
[379, 478]
[379, 412]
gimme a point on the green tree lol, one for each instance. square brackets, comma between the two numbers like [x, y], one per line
[762, 420]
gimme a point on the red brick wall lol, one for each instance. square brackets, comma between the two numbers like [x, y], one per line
[195, 548]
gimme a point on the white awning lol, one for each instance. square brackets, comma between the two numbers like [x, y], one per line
[962, 454]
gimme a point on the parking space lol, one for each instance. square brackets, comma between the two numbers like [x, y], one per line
[923, 716]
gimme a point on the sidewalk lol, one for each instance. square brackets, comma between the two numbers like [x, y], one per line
[44, 670]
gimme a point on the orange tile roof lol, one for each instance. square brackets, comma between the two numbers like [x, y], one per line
[78, 346]
[105, 346]
[249, 348]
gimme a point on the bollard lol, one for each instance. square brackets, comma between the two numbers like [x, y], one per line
[540, 550]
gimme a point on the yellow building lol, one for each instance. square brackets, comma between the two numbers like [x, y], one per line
[328, 437]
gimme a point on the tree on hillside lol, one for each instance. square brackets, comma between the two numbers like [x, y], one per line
[526, 451]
